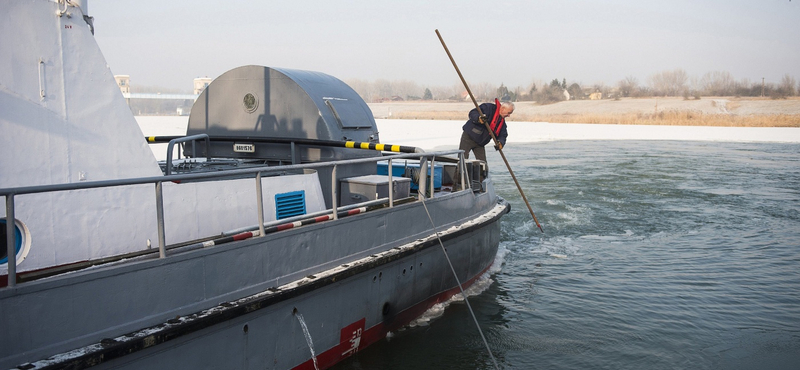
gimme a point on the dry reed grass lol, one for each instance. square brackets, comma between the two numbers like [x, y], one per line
[670, 118]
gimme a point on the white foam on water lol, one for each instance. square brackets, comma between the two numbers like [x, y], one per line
[499, 260]
[525, 228]
[478, 287]
[558, 247]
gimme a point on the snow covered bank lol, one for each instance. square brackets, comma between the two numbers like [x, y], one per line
[429, 134]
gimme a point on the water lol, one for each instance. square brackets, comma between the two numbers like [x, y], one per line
[656, 254]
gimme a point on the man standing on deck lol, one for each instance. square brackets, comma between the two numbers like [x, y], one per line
[476, 136]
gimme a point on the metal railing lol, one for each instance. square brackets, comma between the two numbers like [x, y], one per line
[157, 181]
[184, 139]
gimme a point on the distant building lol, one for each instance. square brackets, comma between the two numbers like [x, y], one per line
[596, 96]
[200, 84]
[124, 83]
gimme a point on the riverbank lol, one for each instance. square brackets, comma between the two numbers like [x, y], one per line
[445, 134]
[708, 111]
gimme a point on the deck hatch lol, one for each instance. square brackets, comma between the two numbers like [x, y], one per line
[290, 204]
[347, 113]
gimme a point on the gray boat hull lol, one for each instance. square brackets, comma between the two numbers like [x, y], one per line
[236, 305]
[111, 263]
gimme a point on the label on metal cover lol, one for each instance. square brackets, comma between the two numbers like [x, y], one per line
[244, 148]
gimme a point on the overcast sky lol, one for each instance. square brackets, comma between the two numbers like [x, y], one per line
[168, 43]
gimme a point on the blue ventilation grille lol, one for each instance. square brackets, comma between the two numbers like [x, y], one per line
[290, 204]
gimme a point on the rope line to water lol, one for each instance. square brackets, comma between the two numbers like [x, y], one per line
[461, 288]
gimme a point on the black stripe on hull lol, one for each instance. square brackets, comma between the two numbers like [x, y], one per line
[110, 349]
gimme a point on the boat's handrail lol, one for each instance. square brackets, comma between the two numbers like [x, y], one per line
[297, 141]
[217, 175]
[184, 139]
[10, 193]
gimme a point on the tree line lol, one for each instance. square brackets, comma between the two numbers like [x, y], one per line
[675, 82]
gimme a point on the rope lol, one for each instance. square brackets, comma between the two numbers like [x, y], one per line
[459, 286]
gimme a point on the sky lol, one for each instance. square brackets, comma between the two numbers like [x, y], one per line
[169, 43]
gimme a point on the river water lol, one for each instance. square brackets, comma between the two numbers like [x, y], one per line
[656, 255]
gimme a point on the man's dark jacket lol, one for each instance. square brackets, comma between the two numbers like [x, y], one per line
[478, 132]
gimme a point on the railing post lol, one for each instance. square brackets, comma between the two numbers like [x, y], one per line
[208, 147]
[391, 185]
[260, 202]
[334, 194]
[162, 250]
[294, 159]
[11, 239]
[433, 174]
[423, 174]
[463, 168]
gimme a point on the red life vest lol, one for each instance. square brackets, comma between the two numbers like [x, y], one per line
[497, 121]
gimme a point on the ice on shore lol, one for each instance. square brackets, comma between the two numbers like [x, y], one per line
[443, 135]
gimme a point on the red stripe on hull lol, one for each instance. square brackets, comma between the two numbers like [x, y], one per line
[375, 333]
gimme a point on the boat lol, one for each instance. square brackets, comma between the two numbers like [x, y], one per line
[278, 233]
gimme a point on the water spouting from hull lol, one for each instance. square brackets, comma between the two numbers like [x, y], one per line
[308, 337]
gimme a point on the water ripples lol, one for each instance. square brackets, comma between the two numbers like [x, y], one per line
[656, 255]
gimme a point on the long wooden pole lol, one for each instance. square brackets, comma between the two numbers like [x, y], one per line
[486, 124]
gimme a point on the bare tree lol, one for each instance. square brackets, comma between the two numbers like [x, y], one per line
[383, 88]
[452, 92]
[669, 83]
[718, 83]
[601, 88]
[628, 86]
[484, 91]
[643, 91]
[742, 88]
[364, 89]
[406, 88]
[787, 86]
[530, 91]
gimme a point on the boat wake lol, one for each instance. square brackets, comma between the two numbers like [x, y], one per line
[479, 286]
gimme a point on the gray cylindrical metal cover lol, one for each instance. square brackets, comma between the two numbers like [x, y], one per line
[258, 101]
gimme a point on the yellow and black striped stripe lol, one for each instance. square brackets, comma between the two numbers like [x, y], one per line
[346, 144]
[381, 147]
[160, 139]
